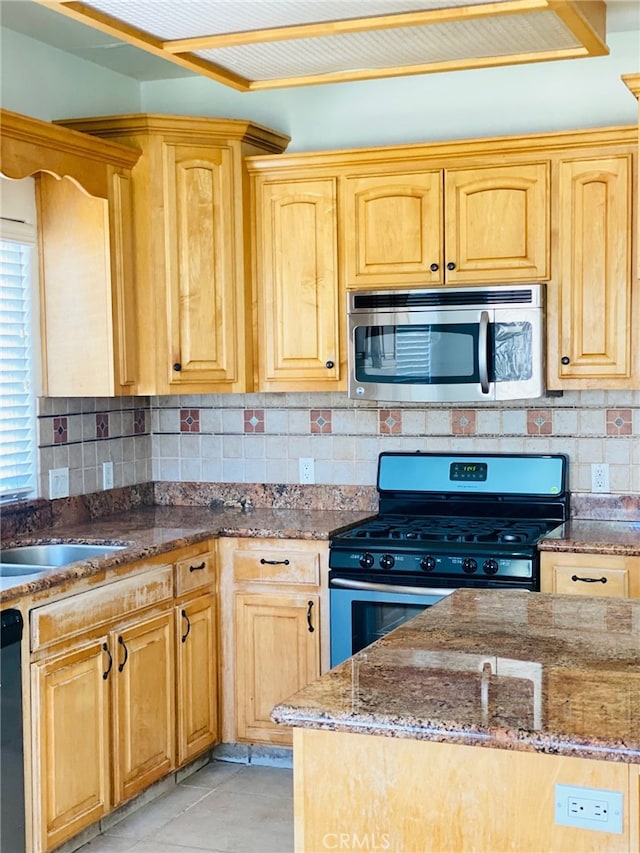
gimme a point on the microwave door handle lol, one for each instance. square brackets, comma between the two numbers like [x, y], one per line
[483, 352]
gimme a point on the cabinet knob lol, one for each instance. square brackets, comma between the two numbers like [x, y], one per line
[177, 367]
[329, 365]
[434, 267]
[565, 359]
[451, 265]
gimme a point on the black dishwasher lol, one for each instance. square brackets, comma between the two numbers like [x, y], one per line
[12, 838]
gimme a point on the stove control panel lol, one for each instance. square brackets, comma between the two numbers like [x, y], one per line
[433, 564]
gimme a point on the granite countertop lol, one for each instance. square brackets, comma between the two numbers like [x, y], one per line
[595, 536]
[511, 670]
[154, 530]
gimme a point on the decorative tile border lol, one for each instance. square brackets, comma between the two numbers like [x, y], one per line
[540, 422]
[60, 430]
[463, 422]
[139, 421]
[102, 425]
[390, 422]
[189, 420]
[253, 420]
[320, 421]
[619, 422]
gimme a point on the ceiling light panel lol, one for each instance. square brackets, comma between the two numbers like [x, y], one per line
[379, 49]
[180, 20]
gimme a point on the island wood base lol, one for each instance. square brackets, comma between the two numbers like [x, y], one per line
[366, 792]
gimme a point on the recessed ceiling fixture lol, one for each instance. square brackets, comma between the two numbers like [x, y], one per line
[266, 44]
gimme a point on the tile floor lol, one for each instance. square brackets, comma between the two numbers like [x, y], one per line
[233, 808]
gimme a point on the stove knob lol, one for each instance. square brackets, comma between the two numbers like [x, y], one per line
[469, 566]
[490, 567]
[386, 561]
[366, 561]
[427, 564]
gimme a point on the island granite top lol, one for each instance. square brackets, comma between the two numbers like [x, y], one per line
[514, 670]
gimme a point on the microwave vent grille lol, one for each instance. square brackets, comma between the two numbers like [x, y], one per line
[427, 299]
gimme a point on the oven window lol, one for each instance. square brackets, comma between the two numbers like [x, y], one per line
[423, 354]
[371, 620]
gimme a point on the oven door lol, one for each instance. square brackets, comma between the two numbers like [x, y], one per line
[362, 611]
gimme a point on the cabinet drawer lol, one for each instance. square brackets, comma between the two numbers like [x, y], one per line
[286, 566]
[87, 611]
[590, 580]
[195, 572]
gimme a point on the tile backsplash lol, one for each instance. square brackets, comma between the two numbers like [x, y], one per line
[259, 438]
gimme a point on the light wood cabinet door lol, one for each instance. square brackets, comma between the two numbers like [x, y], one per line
[392, 228]
[197, 674]
[594, 303]
[497, 224]
[300, 308]
[143, 704]
[277, 653]
[71, 774]
[202, 299]
[609, 575]
[87, 288]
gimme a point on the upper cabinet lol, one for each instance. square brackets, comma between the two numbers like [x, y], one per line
[593, 297]
[300, 307]
[193, 298]
[85, 227]
[457, 226]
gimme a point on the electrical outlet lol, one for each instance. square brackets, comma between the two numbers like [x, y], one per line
[58, 483]
[599, 477]
[307, 470]
[589, 808]
[107, 475]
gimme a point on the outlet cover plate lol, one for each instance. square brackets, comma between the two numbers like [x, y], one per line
[107, 475]
[589, 808]
[307, 470]
[599, 477]
[58, 483]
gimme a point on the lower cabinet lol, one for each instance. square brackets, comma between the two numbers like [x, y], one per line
[274, 637]
[611, 575]
[123, 690]
[197, 676]
[277, 653]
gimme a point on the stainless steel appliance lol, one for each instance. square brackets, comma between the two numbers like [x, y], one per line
[446, 520]
[447, 344]
[12, 819]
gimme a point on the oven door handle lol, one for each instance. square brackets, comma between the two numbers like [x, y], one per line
[343, 583]
[483, 352]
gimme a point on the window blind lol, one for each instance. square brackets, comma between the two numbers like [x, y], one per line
[17, 399]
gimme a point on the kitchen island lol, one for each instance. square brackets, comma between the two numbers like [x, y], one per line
[454, 732]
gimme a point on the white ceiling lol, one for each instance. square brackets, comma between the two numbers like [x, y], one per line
[37, 22]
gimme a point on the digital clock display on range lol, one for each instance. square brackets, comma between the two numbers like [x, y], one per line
[468, 471]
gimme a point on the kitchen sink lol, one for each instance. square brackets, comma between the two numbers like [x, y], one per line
[51, 556]
[14, 570]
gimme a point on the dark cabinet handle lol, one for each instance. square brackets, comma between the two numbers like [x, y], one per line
[575, 578]
[105, 648]
[565, 359]
[309, 623]
[451, 265]
[264, 562]
[177, 367]
[434, 267]
[184, 636]
[198, 568]
[329, 365]
[126, 654]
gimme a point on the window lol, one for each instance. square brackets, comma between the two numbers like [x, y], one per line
[18, 446]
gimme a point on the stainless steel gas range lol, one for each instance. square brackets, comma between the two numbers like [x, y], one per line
[445, 521]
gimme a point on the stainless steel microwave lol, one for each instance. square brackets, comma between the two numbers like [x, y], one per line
[447, 344]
